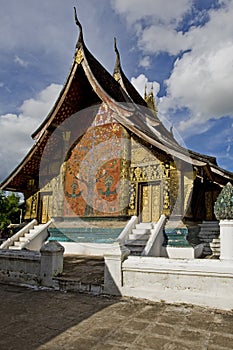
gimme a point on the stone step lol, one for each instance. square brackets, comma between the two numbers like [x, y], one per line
[23, 239]
[13, 247]
[141, 231]
[139, 253]
[136, 242]
[29, 235]
[140, 236]
[215, 244]
[144, 225]
[18, 243]
[135, 248]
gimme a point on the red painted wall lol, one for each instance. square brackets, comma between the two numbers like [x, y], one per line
[93, 170]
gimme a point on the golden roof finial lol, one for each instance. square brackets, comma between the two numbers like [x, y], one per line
[149, 98]
[80, 39]
[117, 68]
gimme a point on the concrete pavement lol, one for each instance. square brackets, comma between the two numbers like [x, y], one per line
[46, 319]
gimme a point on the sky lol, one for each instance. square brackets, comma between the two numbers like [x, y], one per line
[183, 47]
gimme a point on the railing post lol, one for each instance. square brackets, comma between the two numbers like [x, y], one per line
[113, 269]
[124, 235]
[51, 262]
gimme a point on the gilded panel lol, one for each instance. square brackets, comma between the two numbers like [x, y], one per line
[96, 170]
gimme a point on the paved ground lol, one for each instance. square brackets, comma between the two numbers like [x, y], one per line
[84, 268]
[44, 319]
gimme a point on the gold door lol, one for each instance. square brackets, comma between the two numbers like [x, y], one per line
[45, 208]
[149, 202]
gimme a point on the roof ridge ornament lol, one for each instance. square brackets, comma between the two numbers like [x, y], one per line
[150, 100]
[145, 92]
[80, 39]
[117, 68]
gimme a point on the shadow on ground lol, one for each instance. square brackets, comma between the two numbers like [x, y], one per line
[46, 319]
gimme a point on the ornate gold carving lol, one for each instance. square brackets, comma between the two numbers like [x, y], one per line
[32, 206]
[117, 76]
[79, 56]
[155, 202]
[132, 199]
[146, 173]
[150, 203]
[142, 154]
[145, 204]
[45, 209]
[166, 190]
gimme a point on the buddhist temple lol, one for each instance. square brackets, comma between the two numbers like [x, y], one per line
[102, 155]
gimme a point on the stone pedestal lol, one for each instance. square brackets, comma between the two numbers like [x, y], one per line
[208, 234]
[177, 246]
[51, 262]
[226, 239]
[176, 233]
[113, 269]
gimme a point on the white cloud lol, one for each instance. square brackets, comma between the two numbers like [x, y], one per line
[38, 107]
[20, 61]
[145, 62]
[141, 82]
[201, 80]
[15, 130]
[155, 38]
[167, 12]
[158, 33]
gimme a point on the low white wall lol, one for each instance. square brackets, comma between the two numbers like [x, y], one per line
[30, 267]
[98, 249]
[19, 266]
[195, 281]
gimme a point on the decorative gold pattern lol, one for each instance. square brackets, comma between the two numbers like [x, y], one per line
[148, 166]
[146, 217]
[79, 56]
[132, 199]
[45, 208]
[143, 154]
[155, 202]
[150, 195]
[146, 173]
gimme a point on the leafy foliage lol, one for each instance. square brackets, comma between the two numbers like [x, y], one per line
[9, 209]
[223, 208]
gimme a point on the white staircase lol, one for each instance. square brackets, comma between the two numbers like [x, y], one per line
[138, 238]
[209, 236]
[27, 237]
[31, 236]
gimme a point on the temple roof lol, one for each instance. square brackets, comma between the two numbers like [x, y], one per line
[88, 84]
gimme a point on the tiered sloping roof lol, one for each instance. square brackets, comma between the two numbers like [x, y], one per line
[89, 83]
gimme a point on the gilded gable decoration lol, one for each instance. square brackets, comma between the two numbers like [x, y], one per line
[79, 56]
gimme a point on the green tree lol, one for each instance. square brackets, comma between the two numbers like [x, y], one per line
[9, 209]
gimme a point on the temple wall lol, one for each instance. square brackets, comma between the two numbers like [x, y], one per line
[108, 172]
[149, 181]
[96, 175]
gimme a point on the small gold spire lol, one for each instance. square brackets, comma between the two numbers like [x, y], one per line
[80, 39]
[149, 98]
[117, 68]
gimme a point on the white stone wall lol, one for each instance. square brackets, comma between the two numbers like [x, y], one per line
[19, 267]
[194, 281]
[202, 282]
[30, 267]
